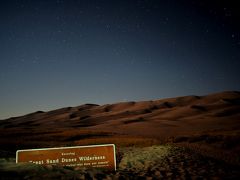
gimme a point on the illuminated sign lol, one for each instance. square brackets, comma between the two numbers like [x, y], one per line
[94, 156]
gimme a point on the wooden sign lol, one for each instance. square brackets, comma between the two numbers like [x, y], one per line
[95, 156]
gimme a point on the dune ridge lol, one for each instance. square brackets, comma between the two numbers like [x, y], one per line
[181, 119]
[190, 137]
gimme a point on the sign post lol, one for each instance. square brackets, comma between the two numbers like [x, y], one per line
[93, 156]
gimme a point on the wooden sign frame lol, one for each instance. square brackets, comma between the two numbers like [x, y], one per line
[92, 156]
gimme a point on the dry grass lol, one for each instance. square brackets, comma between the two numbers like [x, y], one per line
[120, 141]
[229, 156]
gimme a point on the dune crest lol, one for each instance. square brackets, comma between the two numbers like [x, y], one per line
[164, 119]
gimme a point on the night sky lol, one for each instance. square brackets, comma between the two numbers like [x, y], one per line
[59, 53]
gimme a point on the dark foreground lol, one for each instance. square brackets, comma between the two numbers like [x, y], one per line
[155, 162]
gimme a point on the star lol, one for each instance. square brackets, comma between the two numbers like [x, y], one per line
[132, 62]
[108, 26]
[22, 60]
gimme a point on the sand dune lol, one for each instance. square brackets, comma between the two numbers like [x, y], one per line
[159, 119]
[203, 130]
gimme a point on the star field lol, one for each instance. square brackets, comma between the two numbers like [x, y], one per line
[69, 52]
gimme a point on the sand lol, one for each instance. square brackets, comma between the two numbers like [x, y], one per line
[208, 125]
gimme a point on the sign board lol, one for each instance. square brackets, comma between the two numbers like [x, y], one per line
[94, 156]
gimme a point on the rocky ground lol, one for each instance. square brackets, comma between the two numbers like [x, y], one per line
[155, 162]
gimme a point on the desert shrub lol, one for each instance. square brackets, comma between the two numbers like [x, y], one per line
[235, 101]
[119, 141]
[228, 112]
[168, 104]
[26, 123]
[72, 115]
[10, 126]
[38, 112]
[197, 97]
[84, 117]
[107, 108]
[197, 138]
[230, 141]
[154, 107]
[86, 136]
[213, 139]
[140, 119]
[87, 107]
[90, 104]
[146, 111]
[180, 139]
[198, 107]
[3, 123]
[82, 125]
[81, 109]
[119, 155]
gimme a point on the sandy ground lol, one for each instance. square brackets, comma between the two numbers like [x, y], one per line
[204, 133]
[154, 162]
